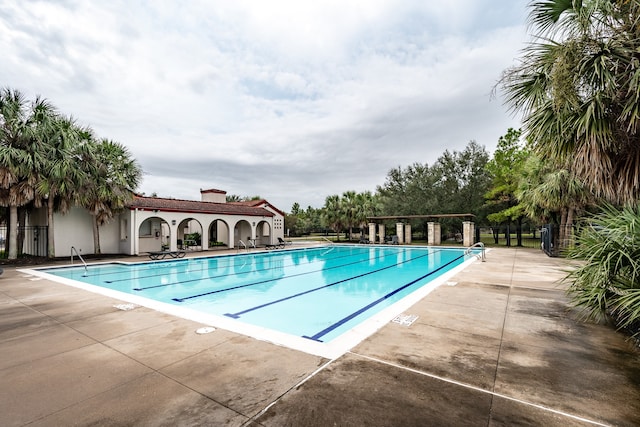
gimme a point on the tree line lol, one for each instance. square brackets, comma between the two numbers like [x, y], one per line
[48, 159]
[509, 187]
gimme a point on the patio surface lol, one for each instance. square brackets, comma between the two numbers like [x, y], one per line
[499, 345]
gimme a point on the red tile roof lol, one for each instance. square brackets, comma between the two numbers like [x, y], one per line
[193, 206]
[259, 202]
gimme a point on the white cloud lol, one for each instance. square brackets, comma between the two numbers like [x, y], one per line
[290, 100]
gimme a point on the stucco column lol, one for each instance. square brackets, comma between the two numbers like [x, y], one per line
[173, 231]
[400, 232]
[433, 233]
[232, 242]
[468, 233]
[372, 232]
[204, 237]
[381, 233]
[135, 234]
[407, 234]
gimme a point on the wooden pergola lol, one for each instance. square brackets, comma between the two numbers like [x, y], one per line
[432, 222]
[466, 216]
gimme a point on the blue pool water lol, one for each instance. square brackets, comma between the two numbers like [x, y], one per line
[314, 293]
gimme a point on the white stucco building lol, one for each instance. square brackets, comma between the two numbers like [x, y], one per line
[153, 223]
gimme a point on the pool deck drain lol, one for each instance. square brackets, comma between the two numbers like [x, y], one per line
[502, 347]
[405, 319]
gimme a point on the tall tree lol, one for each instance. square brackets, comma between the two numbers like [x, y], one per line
[22, 155]
[552, 192]
[368, 206]
[113, 177]
[350, 210]
[463, 179]
[64, 144]
[409, 191]
[505, 169]
[333, 216]
[578, 87]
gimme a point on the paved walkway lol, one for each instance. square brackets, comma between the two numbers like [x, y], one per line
[498, 346]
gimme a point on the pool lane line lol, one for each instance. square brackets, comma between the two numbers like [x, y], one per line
[240, 313]
[203, 262]
[341, 322]
[206, 268]
[217, 291]
[254, 271]
[155, 265]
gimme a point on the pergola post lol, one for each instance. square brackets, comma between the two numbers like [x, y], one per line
[381, 233]
[372, 232]
[400, 232]
[468, 233]
[433, 231]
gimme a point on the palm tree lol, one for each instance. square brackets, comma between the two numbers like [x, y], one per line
[578, 86]
[349, 207]
[21, 153]
[333, 214]
[608, 284]
[548, 189]
[59, 180]
[113, 177]
[366, 207]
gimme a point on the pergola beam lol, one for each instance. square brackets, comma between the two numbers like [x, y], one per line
[399, 217]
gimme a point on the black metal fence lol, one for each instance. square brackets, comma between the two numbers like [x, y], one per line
[510, 235]
[556, 239]
[32, 241]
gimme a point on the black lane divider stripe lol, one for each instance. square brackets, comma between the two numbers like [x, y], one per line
[181, 262]
[240, 313]
[339, 323]
[254, 271]
[271, 280]
[206, 268]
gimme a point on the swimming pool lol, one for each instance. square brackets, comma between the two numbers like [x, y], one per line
[313, 296]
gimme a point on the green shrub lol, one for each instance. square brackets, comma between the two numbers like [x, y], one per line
[608, 282]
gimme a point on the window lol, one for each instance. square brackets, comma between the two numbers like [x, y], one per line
[145, 228]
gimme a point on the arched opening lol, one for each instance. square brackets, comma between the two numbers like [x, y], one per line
[218, 234]
[189, 236]
[153, 235]
[263, 233]
[242, 231]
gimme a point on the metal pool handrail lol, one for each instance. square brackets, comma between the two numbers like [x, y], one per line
[240, 242]
[330, 242]
[86, 273]
[477, 245]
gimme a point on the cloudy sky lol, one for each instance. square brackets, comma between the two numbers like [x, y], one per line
[290, 100]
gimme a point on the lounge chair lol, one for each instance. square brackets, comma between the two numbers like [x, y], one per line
[163, 254]
[282, 242]
[394, 240]
[364, 240]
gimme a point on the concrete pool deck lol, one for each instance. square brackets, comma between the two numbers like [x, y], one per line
[498, 345]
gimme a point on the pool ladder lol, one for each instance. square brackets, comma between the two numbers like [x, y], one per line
[477, 245]
[330, 242]
[73, 249]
